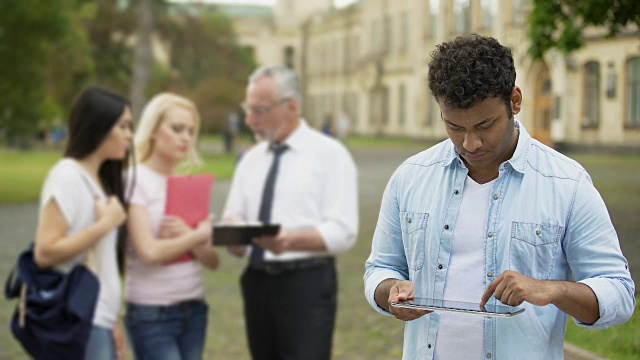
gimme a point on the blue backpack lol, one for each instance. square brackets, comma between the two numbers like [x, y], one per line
[53, 318]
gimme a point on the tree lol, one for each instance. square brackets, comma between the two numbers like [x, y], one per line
[143, 54]
[207, 64]
[108, 32]
[560, 23]
[27, 30]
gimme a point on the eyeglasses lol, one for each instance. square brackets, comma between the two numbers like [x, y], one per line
[260, 110]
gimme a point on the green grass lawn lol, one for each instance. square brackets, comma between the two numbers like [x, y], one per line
[359, 141]
[22, 173]
[620, 342]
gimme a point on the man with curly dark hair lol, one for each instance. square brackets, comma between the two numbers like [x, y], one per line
[492, 216]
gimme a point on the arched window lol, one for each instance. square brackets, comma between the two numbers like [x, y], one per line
[591, 97]
[633, 93]
[402, 102]
[288, 57]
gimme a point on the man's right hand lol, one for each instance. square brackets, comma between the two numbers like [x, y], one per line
[237, 251]
[399, 291]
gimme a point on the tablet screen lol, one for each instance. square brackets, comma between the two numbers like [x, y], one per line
[234, 235]
[498, 310]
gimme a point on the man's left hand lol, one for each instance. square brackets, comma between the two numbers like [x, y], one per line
[513, 288]
[276, 244]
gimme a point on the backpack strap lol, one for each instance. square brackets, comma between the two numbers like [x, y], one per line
[12, 284]
[92, 260]
[22, 305]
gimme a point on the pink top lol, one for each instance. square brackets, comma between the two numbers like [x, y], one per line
[158, 284]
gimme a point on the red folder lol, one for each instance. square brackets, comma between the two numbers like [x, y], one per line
[189, 198]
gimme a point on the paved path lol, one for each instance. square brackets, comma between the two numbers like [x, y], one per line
[375, 167]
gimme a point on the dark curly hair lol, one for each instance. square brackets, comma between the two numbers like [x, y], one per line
[469, 69]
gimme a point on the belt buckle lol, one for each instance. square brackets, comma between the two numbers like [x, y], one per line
[270, 269]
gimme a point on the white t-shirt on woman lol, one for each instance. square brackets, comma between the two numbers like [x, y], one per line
[158, 284]
[75, 193]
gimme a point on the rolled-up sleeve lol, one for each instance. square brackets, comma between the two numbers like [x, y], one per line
[387, 259]
[339, 225]
[594, 254]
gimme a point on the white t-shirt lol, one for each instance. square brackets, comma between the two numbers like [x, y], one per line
[465, 277]
[74, 191]
[158, 284]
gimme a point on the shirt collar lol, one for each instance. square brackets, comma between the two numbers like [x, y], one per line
[517, 161]
[519, 158]
[296, 139]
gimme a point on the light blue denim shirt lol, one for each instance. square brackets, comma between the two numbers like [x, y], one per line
[546, 220]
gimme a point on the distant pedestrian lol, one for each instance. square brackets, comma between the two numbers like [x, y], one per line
[343, 128]
[231, 129]
[327, 125]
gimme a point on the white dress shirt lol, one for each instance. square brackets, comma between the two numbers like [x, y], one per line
[316, 187]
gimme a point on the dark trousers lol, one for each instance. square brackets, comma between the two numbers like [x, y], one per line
[290, 315]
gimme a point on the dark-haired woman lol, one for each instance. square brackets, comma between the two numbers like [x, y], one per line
[82, 207]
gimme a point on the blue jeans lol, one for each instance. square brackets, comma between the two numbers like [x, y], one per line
[100, 345]
[169, 332]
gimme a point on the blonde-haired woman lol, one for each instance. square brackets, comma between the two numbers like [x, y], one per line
[166, 312]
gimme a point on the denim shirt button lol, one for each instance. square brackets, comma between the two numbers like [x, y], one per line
[409, 220]
[488, 355]
[496, 197]
[446, 227]
[440, 266]
[428, 346]
[538, 231]
[456, 192]
[489, 274]
[490, 234]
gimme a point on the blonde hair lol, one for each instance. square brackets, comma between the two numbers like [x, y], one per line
[153, 114]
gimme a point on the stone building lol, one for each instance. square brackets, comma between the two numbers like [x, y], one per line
[369, 60]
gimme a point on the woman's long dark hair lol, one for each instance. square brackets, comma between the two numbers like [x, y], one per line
[93, 114]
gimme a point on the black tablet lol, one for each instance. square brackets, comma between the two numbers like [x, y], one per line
[234, 235]
[499, 310]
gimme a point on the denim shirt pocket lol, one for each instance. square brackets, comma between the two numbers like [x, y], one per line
[533, 248]
[414, 231]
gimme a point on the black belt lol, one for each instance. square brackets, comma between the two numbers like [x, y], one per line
[279, 267]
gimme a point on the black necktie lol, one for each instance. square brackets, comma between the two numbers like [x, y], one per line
[257, 254]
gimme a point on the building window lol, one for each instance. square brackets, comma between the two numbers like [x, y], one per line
[387, 45]
[434, 9]
[489, 11]
[376, 32]
[461, 11]
[379, 101]
[402, 100]
[404, 31]
[633, 93]
[591, 98]
[432, 110]
[518, 11]
[288, 57]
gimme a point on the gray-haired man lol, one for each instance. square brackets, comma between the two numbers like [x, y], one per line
[305, 181]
